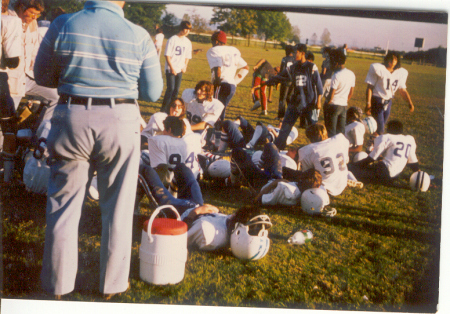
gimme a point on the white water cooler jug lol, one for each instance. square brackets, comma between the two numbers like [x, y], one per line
[163, 250]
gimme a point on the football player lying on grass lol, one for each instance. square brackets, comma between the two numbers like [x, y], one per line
[207, 228]
[232, 137]
[397, 150]
[212, 231]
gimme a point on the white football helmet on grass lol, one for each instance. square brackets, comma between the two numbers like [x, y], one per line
[419, 181]
[314, 201]
[220, 169]
[250, 241]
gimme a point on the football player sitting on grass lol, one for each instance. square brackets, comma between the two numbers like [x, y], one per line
[397, 150]
[354, 130]
[232, 137]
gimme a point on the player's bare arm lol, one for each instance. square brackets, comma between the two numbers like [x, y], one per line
[217, 73]
[405, 95]
[369, 93]
[204, 209]
[199, 126]
[350, 94]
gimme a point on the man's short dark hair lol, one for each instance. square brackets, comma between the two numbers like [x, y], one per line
[27, 4]
[289, 49]
[394, 127]
[176, 126]
[301, 48]
[309, 56]
[337, 56]
[390, 56]
[185, 25]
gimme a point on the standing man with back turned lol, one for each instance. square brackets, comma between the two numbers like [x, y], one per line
[99, 71]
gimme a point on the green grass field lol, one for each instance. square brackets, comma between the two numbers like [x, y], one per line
[381, 251]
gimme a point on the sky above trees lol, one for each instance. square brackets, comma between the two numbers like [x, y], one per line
[356, 32]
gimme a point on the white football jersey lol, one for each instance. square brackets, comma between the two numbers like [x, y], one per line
[209, 232]
[155, 125]
[208, 111]
[397, 151]
[165, 149]
[342, 81]
[330, 158]
[179, 49]
[194, 147]
[285, 193]
[291, 137]
[354, 132]
[385, 83]
[229, 59]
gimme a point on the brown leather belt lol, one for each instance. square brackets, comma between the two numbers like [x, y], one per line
[77, 100]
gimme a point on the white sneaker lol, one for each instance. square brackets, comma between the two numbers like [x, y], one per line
[249, 146]
[256, 105]
[355, 184]
[264, 113]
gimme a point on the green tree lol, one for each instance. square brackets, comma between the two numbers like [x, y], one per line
[244, 22]
[169, 19]
[295, 34]
[147, 15]
[69, 6]
[221, 16]
[199, 24]
[326, 37]
[273, 25]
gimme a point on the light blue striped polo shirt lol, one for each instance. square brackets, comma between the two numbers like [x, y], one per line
[96, 52]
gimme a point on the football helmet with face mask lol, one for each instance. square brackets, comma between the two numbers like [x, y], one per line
[250, 241]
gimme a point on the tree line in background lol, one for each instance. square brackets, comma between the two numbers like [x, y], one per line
[264, 24]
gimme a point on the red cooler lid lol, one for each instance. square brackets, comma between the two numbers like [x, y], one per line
[167, 226]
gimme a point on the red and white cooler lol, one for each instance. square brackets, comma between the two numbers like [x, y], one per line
[163, 250]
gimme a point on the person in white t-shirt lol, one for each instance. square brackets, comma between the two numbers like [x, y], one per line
[227, 68]
[327, 155]
[178, 53]
[155, 125]
[159, 38]
[21, 79]
[398, 150]
[342, 86]
[204, 110]
[383, 80]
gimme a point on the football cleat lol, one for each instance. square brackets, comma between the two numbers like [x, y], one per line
[256, 105]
